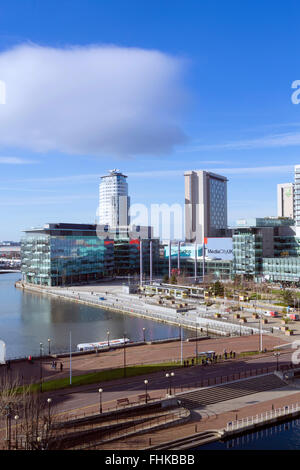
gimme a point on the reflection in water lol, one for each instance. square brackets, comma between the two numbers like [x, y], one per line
[285, 436]
[26, 319]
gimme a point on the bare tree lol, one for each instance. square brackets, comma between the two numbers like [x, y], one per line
[28, 417]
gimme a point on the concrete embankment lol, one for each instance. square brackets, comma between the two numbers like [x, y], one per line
[149, 312]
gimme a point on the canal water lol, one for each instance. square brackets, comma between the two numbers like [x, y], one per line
[284, 436]
[28, 319]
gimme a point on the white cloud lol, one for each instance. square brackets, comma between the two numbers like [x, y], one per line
[287, 139]
[15, 161]
[97, 100]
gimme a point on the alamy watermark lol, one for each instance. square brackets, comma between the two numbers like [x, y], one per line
[2, 92]
[296, 94]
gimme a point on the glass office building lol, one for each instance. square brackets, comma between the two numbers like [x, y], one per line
[65, 254]
[247, 253]
[285, 269]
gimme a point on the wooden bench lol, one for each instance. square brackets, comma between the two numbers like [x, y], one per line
[123, 401]
[143, 397]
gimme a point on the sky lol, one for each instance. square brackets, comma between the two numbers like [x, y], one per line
[151, 88]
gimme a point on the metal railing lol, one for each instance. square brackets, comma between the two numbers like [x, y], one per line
[262, 417]
[152, 424]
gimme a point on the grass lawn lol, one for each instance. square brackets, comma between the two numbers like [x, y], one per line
[103, 376]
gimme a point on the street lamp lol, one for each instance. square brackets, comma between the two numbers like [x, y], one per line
[277, 354]
[100, 400]
[16, 420]
[41, 370]
[39, 442]
[146, 390]
[169, 384]
[124, 366]
[49, 400]
[196, 342]
[144, 329]
[8, 425]
[49, 351]
[172, 375]
[107, 338]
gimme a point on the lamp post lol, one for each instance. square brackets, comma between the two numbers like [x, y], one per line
[49, 350]
[107, 338]
[41, 369]
[8, 425]
[169, 383]
[196, 341]
[16, 421]
[146, 390]
[277, 354]
[260, 333]
[100, 400]
[39, 443]
[172, 375]
[144, 334]
[124, 357]
[49, 400]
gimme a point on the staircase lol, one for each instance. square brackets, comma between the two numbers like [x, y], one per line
[228, 391]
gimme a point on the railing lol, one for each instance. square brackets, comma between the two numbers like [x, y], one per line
[222, 379]
[262, 417]
[153, 423]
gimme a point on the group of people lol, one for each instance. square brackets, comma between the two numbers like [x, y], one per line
[54, 365]
[230, 355]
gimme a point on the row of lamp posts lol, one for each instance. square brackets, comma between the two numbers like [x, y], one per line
[169, 391]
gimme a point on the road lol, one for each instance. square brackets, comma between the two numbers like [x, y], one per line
[86, 399]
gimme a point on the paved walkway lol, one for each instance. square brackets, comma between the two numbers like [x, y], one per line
[144, 354]
[214, 420]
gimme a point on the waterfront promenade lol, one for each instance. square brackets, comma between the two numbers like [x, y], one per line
[84, 400]
[140, 354]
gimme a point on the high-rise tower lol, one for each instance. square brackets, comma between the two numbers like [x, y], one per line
[114, 201]
[205, 205]
[285, 200]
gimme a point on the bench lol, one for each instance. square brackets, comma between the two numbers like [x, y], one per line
[123, 401]
[144, 397]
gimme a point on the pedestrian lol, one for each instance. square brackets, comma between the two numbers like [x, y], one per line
[55, 364]
[61, 366]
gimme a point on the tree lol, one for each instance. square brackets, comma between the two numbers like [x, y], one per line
[27, 416]
[218, 288]
[287, 297]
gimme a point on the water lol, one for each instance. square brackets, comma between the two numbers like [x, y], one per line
[28, 319]
[284, 436]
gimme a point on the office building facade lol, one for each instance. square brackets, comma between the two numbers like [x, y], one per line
[257, 239]
[205, 205]
[65, 254]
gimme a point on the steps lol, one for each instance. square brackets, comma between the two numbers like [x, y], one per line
[229, 391]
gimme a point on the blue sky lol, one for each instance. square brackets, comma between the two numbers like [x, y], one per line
[214, 77]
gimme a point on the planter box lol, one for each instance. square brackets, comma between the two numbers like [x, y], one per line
[265, 321]
[237, 315]
[217, 315]
[289, 332]
[284, 328]
[254, 315]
